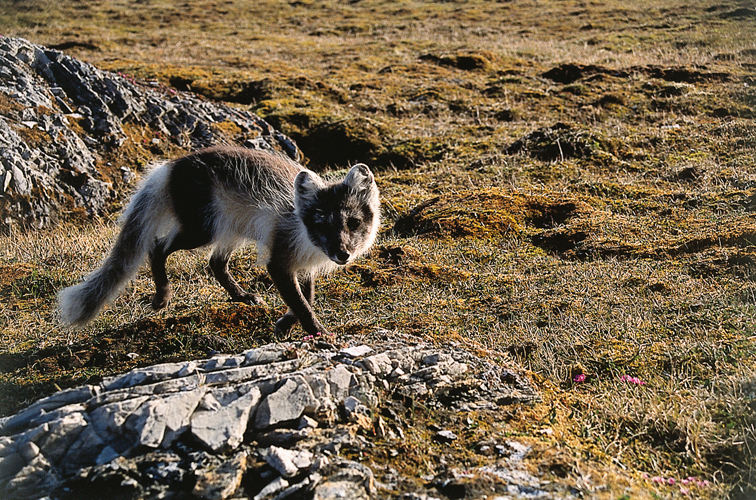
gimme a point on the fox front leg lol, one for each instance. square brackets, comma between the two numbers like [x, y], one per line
[219, 267]
[298, 298]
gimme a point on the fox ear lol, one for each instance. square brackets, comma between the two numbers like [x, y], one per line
[359, 177]
[306, 186]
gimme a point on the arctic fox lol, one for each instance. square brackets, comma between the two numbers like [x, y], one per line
[225, 197]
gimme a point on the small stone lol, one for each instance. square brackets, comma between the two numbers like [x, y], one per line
[264, 355]
[307, 423]
[28, 450]
[341, 381]
[106, 455]
[357, 351]
[288, 403]
[288, 463]
[435, 358]
[445, 436]
[223, 429]
[378, 364]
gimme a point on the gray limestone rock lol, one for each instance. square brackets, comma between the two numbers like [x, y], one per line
[55, 95]
[61, 434]
[288, 463]
[159, 421]
[288, 403]
[264, 355]
[378, 364]
[270, 423]
[356, 351]
[341, 381]
[345, 479]
[223, 429]
[272, 489]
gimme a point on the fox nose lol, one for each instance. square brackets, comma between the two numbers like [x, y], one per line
[341, 257]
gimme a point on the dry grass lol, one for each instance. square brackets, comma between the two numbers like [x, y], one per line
[622, 244]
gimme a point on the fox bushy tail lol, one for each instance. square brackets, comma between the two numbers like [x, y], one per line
[147, 216]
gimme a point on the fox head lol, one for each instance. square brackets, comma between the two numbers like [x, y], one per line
[341, 218]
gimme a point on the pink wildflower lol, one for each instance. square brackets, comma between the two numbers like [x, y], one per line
[632, 380]
[671, 481]
[580, 377]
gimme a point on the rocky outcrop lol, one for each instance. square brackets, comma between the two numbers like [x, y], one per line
[61, 118]
[280, 421]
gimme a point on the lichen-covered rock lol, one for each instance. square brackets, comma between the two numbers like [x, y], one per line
[272, 422]
[59, 116]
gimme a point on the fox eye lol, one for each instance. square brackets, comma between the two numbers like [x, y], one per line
[353, 223]
[320, 219]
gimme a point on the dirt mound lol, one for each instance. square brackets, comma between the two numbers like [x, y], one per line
[561, 141]
[464, 61]
[486, 213]
[572, 72]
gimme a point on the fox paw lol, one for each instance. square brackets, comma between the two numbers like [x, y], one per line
[251, 299]
[285, 324]
[160, 300]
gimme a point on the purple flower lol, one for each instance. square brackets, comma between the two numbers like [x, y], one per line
[632, 380]
[580, 377]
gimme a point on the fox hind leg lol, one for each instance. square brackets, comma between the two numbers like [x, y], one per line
[159, 254]
[219, 267]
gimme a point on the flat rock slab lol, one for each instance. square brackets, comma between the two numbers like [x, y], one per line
[271, 422]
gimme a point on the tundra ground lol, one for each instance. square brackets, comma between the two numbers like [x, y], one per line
[569, 187]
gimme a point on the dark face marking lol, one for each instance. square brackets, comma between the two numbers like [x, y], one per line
[338, 221]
